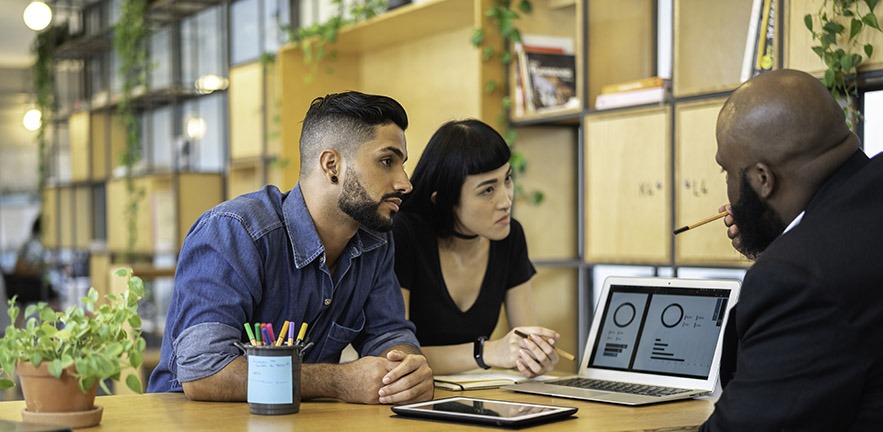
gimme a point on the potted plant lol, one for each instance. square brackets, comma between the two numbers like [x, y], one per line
[61, 358]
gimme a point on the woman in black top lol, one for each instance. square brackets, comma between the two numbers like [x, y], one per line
[460, 256]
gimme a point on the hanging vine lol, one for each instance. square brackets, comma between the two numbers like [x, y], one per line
[504, 18]
[44, 86]
[317, 41]
[841, 51]
[129, 43]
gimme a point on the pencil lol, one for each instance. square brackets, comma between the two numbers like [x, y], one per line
[560, 351]
[251, 338]
[282, 333]
[700, 223]
[301, 333]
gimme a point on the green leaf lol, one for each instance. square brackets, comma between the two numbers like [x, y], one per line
[846, 63]
[491, 86]
[828, 79]
[511, 136]
[487, 53]
[833, 27]
[854, 28]
[525, 6]
[872, 4]
[5, 384]
[871, 20]
[869, 49]
[134, 384]
[55, 368]
[807, 21]
[477, 37]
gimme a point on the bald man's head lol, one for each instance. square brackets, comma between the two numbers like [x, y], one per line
[781, 117]
[779, 137]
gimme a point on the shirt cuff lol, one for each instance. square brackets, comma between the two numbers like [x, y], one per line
[376, 346]
[204, 349]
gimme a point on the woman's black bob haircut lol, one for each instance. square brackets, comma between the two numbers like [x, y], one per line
[458, 149]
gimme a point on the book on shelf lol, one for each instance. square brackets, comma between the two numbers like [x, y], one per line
[759, 54]
[545, 74]
[631, 98]
[482, 379]
[637, 84]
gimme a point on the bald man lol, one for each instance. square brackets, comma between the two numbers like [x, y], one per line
[806, 349]
[320, 254]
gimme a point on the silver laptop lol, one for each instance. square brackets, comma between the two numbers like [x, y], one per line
[652, 340]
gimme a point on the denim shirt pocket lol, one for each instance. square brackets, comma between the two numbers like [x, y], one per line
[339, 337]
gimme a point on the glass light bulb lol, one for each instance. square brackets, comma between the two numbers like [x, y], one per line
[32, 119]
[37, 15]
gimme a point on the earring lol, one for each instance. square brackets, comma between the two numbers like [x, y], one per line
[334, 179]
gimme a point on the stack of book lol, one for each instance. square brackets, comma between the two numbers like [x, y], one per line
[545, 75]
[637, 92]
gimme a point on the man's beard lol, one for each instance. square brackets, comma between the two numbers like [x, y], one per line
[355, 202]
[758, 223]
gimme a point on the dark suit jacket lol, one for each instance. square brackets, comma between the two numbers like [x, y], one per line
[809, 324]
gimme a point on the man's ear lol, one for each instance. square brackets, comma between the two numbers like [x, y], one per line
[329, 163]
[762, 179]
[433, 197]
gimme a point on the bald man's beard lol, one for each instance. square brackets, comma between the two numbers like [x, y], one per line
[357, 204]
[758, 223]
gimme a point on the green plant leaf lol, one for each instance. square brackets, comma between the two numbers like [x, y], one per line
[854, 28]
[491, 86]
[828, 79]
[525, 6]
[833, 27]
[871, 20]
[55, 368]
[487, 53]
[134, 384]
[869, 49]
[5, 384]
[872, 4]
[807, 21]
[477, 37]
[846, 63]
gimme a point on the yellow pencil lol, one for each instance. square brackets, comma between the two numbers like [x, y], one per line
[560, 351]
[282, 333]
[700, 223]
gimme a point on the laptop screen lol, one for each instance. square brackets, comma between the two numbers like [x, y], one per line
[660, 330]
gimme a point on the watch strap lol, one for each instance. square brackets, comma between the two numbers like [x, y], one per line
[478, 352]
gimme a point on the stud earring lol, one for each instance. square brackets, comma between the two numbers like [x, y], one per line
[334, 179]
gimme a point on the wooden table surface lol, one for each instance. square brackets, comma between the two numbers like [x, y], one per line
[168, 412]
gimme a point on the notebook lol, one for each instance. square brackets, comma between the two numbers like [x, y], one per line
[652, 340]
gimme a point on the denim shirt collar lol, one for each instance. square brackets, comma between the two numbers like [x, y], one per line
[305, 242]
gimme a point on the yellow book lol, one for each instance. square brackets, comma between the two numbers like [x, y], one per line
[637, 84]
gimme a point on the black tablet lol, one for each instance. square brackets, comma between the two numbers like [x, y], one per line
[484, 411]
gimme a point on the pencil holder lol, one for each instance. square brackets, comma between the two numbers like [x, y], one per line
[273, 379]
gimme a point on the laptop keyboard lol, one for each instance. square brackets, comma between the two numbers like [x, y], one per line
[620, 387]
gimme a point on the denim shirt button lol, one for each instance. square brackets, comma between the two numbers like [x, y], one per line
[327, 302]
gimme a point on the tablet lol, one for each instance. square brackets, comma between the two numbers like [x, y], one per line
[484, 411]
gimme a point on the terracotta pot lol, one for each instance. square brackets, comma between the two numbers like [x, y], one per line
[45, 393]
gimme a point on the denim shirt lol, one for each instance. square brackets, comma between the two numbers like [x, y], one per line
[258, 258]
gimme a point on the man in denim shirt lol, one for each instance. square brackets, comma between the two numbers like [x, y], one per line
[321, 253]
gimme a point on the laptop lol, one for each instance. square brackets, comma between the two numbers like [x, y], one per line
[652, 340]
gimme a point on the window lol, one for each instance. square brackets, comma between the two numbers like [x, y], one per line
[873, 130]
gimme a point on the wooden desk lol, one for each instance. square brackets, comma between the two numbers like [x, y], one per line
[173, 411]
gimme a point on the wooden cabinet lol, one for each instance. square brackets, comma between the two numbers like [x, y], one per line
[627, 187]
[700, 187]
[169, 206]
[709, 45]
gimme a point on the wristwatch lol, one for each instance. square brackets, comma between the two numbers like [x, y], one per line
[478, 352]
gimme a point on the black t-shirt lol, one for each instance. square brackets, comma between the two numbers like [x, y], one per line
[438, 319]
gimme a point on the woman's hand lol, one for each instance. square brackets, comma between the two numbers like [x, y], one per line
[532, 356]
